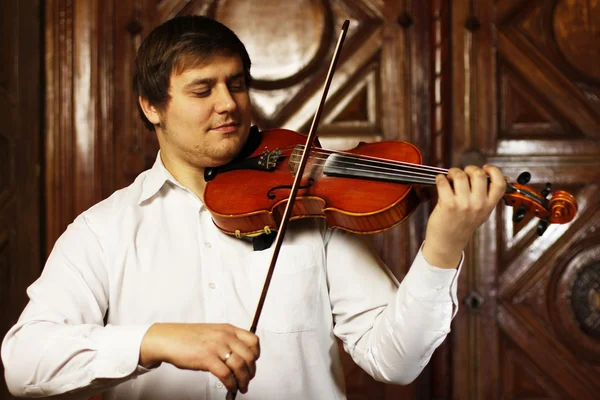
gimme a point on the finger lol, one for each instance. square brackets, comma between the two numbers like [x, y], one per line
[460, 181]
[240, 369]
[497, 186]
[251, 340]
[224, 374]
[479, 187]
[241, 349]
[444, 189]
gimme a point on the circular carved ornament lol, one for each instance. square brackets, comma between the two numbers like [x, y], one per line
[585, 300]
[577, 35]
[574, 299]
[285, 40]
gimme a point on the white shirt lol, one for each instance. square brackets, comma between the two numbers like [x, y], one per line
[150, 253]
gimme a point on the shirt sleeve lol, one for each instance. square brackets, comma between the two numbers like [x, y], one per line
[60, 344]
[390, 329]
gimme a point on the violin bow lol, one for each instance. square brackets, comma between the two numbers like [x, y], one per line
[294, 190]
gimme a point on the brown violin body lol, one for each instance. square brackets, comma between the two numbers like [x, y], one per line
[249, 202]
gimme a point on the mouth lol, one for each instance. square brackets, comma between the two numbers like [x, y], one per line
[226, 128]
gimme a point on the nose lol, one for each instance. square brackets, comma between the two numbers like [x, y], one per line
[225, 103]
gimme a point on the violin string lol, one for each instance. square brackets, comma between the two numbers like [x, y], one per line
[371, 167]
[370, 163]
[415, 177]
[390, 162]
[398, 174]
[318, 150]
[428, 171]
[373, 161]
[377, 161]
[407, 177]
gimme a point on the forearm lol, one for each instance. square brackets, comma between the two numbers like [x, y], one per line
[414, 323]
[43, 358]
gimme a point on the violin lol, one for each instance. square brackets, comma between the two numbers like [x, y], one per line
[365, 190]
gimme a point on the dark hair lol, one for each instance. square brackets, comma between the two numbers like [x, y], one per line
[176, 45]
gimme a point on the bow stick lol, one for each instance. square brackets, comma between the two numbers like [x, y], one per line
[291, 199]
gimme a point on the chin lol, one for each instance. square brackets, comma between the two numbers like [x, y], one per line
[218, 160]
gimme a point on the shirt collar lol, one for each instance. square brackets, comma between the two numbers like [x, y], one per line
[155, 179]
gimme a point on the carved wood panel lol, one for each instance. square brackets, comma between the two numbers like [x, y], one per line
[526, 92]
[20, 113]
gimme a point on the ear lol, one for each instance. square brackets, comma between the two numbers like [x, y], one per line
[149, 110]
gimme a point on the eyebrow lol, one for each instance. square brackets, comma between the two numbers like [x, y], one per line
[211, 81]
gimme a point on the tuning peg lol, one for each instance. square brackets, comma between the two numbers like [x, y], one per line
[542, 226]
[524, 178]
[546, 191]
[519, 214]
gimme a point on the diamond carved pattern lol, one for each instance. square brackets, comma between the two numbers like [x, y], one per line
[533, 38]
[531, 24]
[567, 29]
[522, 378]
[533, 342]
[524, 113]
[532, 296]
[577, 37]
[357, 109]
[530, 303]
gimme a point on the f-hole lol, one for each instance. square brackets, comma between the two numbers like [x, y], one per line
[272, 196]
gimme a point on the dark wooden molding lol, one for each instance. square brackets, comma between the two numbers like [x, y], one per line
[73, 114]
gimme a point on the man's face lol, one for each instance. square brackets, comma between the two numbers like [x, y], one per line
[207, 120]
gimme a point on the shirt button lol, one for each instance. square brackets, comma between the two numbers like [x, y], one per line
[219, 385]
[208, 245]
[212, 285]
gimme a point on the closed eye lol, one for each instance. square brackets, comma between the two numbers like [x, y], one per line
[203, 93]
[237, 87]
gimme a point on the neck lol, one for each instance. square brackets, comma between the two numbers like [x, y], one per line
[190, 176]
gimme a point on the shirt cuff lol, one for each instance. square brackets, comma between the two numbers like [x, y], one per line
[119, 350]
[428, 283]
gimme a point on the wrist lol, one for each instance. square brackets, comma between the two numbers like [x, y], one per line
[441, 257]
[150, 348]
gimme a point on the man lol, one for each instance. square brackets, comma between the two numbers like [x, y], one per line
[143, 298]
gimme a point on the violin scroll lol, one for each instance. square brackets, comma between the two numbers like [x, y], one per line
[563, 207]
[559, 209]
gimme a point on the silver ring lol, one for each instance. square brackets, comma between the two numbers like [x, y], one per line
[227, 356]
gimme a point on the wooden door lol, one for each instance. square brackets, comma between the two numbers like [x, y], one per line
[380, 91]
[526, 87]
[20, 167]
